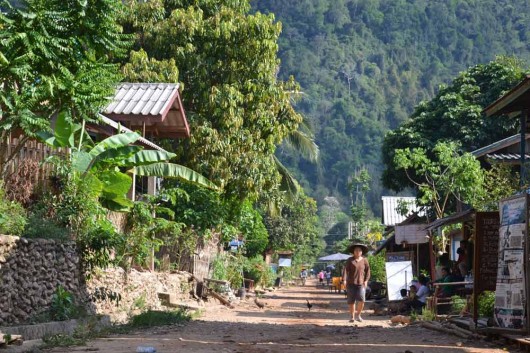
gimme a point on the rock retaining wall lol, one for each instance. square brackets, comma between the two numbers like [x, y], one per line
[138, 290]
[31, 270]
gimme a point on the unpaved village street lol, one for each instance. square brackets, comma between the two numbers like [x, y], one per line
[286, 325]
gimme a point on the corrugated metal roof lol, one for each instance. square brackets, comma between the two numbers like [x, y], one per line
[390, 216]
[515, 157]
[516, 100]
[149, 99]
[509, 141]
[454, 218]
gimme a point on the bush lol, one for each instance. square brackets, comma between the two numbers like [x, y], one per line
[486, 303]
[159, 318]
[458, 304]
[63, 305]
[12, 215]
[228, 267]
[38, 226]
[257, 270]
[377, 267]
[427, 315]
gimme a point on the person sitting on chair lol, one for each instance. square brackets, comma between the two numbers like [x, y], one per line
[418, 300]
[445, 291]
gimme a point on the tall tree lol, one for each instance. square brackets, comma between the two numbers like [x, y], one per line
[54, 57]
[227, 60]
[455, 114]
[359, 186]
[441, 180]
[296, 229]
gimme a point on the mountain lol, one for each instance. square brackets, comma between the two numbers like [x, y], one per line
[364, 64]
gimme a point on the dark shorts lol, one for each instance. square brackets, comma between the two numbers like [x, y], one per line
[355, 293]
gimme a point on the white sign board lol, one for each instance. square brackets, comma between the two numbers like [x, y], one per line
[284, 262]
[398, 276]
[412, 234]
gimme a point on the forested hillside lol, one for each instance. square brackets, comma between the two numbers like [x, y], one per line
[364, 64]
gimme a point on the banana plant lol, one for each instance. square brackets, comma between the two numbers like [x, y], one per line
[108, 165]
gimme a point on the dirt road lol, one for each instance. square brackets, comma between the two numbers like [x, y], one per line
[286, 325]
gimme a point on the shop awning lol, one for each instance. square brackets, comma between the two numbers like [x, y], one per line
[463, 216]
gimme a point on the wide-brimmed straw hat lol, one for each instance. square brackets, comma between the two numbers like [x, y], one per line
[352, 247]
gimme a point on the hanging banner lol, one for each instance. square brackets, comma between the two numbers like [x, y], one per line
[510, 287]
[412, 234]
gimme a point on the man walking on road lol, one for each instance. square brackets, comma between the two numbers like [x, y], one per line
[356, 275]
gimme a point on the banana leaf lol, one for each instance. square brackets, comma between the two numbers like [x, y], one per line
[171, 170]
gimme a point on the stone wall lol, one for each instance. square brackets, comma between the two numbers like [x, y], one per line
[31, 270]
[138, 290]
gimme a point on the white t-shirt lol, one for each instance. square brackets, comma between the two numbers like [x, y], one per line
[423, 293]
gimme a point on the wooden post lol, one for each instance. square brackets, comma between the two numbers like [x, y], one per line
[431, 258]
[527, 264]
[524, 116]
[418, 260]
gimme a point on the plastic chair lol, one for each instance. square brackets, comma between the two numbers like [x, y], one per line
[335, 284]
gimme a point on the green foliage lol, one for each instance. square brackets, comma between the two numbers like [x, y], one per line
[296, 228]
[458, 304]
[444, 177]
[12, 215]
[73, 212]
[359, 186]
[454, 114]
[250, 223]
[198, 208]
[54, 57]
[140, 302]
[141, 239]
[153, 318]
[499, 182]
[377, 267]
[96, 244]
[99, 164]
[147, 232]
[63, 305]
[427, 314]
[62, 340]
[238, 109]
[141, 68]
[170, 170]
[41, 226]
[486, 303]
[364, 65]
[229, 267]
[256, 269]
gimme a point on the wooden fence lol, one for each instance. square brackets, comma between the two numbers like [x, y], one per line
[28, 169]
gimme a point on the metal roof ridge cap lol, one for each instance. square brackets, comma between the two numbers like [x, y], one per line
[167, 105]
[123, 129]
